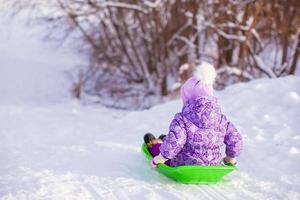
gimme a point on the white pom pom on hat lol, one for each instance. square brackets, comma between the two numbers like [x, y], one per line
[206, 73]
[200, 84]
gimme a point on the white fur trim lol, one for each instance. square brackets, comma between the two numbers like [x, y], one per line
[206, 73]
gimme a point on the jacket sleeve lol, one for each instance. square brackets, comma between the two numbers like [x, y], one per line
[175, 139]
[233, 139]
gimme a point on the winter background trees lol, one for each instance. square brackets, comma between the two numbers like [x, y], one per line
[140, 51]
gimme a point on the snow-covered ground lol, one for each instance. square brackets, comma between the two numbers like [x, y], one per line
[52, 147]
[32, 70]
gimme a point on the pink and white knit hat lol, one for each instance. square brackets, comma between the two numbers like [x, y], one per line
[200, 84]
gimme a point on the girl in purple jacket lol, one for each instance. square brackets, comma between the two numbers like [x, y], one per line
[197, 133]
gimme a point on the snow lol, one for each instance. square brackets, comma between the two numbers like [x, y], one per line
[262, 66]
[122, 5]
[53, 147]
[26, 62]
[154, 4]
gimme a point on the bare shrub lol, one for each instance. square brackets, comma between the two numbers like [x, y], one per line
[136, 47]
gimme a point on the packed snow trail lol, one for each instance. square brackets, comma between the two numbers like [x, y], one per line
[52, 147]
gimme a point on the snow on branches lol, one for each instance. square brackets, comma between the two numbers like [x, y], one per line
[136, 47]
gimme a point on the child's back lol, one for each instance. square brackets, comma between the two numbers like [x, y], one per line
[197, 134]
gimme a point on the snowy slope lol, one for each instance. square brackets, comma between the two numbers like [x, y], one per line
[32, 71]
[54, 148]
[82, 152]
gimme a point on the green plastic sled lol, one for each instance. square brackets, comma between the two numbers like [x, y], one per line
[195, 174]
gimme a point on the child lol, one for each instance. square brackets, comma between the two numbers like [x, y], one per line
[153, 144]
[197, 133]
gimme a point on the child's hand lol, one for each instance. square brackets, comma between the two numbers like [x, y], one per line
[153, 164]
[157, 160]
[228, 159]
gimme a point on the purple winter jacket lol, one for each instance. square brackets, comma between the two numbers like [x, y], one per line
[197, 133]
